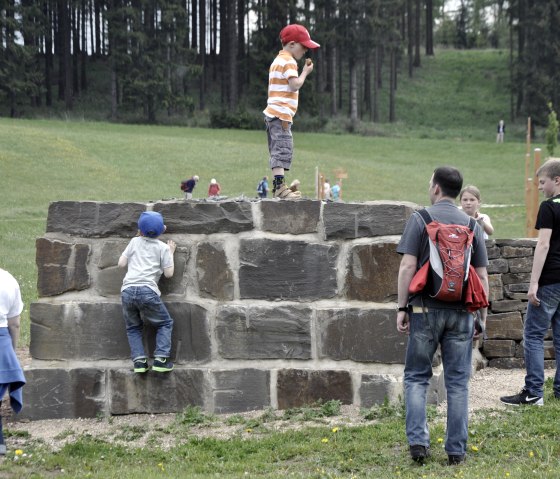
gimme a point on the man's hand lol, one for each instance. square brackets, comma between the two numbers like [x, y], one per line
[532, 294]
[402, 322]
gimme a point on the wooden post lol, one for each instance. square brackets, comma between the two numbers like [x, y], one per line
[317, 182]
[533, 233]
[528, 183]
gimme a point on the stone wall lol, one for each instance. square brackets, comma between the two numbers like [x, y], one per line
[276, 304]
[509, 275]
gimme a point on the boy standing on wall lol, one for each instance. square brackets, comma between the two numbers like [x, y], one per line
[284, 83]
[543, 309]
[147, 258]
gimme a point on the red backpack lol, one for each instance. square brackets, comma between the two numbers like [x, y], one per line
[446, 273]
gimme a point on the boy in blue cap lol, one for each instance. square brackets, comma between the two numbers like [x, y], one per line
[147, 258]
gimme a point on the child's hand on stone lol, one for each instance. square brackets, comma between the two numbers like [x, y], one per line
[172, 245]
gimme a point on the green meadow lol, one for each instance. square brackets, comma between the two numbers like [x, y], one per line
[43, 161]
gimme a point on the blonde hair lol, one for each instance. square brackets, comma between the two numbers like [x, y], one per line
[551, 168]
[473, 190]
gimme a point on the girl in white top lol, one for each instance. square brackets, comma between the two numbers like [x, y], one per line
[470, 203]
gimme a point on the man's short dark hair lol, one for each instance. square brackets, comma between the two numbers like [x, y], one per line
[449, 179]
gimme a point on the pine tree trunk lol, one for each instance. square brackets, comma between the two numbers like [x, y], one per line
[202, 43]
[429, 27]
[417, 34]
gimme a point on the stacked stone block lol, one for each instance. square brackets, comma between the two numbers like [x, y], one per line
[509, 276]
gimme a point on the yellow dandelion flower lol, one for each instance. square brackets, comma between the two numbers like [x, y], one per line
[531, 453]
[440, 440]
[18, 452]
[248, 430]
[507, 474]
[324, 440]
[334, 429]
[474, 448]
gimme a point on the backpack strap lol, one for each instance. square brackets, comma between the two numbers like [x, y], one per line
[425, 216]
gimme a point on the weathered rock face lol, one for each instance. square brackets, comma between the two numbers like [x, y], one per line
[275, 304]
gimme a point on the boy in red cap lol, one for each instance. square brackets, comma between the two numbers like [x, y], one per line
[284, 83]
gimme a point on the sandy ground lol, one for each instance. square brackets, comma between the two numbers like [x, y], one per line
[487, 385]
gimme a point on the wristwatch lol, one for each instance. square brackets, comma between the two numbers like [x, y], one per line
[402, 309]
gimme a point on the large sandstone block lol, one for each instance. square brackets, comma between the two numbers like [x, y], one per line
[61, 266]
[214, 274]
[206, 218]
[372, 272]
[364, 335]
[88, 331]
[295, 270]
[376, 388]
[155, 393]
[63, 393]
[507, 305]
[516, 251]
[496, 287]
[301, 387]
[290, 217]
[513, 278]
[498, 265]
[282, 332]
[505, 326]
[96, 331]
[94, 218]
[240, 390]
[357, 220]
[498, 348]
[520, 265]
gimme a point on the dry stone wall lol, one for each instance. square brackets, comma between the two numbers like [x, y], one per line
[275, 304]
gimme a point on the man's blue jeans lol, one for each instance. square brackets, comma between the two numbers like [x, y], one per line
[454, 331]
[139, 304]
[537, 322]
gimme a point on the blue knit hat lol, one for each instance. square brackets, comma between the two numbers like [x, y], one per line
[151, 224]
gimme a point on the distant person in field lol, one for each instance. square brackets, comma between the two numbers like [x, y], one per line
[470, 203]
[214, 188]
[501, 129]
[11, 374]
[188, 186]
[335, 191]
[327, 190]
[147, 258]
[543, 308]
[284, 83]
[262, 187]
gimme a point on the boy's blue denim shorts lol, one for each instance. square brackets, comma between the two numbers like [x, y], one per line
[280, 142]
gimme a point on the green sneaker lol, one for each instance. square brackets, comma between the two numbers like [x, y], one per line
[162, 365]
[141, 366]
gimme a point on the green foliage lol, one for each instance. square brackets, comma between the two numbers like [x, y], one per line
[314, 411]
[193, 415]
[551, 131]
[239, 120]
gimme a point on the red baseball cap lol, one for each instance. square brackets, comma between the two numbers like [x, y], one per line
[299, 34]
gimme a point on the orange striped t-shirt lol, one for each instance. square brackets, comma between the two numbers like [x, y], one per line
[282, 100]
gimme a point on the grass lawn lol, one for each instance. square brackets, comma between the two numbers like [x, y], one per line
[518, 443]
[45, 160]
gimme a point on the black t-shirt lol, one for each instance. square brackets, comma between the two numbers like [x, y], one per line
[549, 218]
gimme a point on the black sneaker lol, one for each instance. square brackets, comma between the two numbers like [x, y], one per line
[141, 366]
[454, 460]
[524, 397]
[162, 365]
[419, 453]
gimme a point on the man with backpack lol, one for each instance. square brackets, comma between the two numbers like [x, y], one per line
[433, 316]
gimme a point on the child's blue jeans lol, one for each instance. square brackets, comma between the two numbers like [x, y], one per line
[142, 304]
